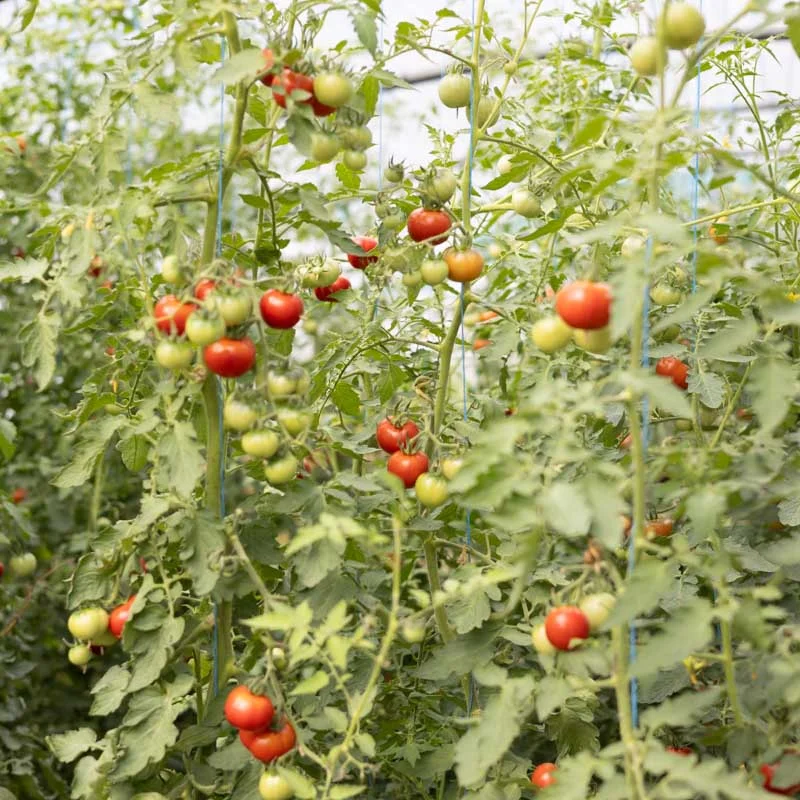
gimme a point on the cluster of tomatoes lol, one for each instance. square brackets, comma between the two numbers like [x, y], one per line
[95, 629]
[683, 27]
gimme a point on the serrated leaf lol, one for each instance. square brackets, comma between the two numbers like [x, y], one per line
[93, 441]
[649, 582]
[789, 511]
[68, 746]
[312, 684]
[23, 269]
[8, 434]
[566, 510]
[682, 710]
[730, 339]
[366, 30]
[38, 339]
[708, 386]
[244, 64]
[133, 451]
[772, 385]
[110, 691]
[459, 656]
[704, 508]
[182, 457]
[470, 611]
[551, 692]
[347, 399]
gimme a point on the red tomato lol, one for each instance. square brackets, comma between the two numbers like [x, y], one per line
[96, 266]
[425, 225]
[18, 496]
[479, 344]
[289, 81]
[543, 776]
[280, 309]
[248, 711]
[584, 304]
[341, 284]
[674, 369]
[407, 466]
[230, 358]
[768, 771]
[17, 252]
[366, 243]
[269, 745]
[680, 751]
[170, 312]
[119, 616]
[392, 437]
[463, 265]
[565, 623]
[320, 109]
[659, 527]
[204, 288]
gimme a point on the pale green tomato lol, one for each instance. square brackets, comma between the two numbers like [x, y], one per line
[505, 165]
[662, 294]
[441, 186]
[431, 490]
[455, 90]
[174, 355]
[22, 566]
[235, 309]
[333, 89]
[324, 147]
[79, 655]
[263, 443]
[171, 270]
[274, 787]
[525, 203]
[597, 607]
[632, 246]
[204, 327]
[413, 632]
[294, 422]
[541, 644]
[495, 250]
[88, 623]
[280, 385]
[412, 279]
[598, 341]
[238, 416]
[354, 160]
[684, 26]
[105, 639]
[487, 113]
[644, 56]
[451, 467]
[281, 471]
[551, 334]
[434, 272]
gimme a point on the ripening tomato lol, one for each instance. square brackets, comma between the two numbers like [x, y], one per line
[288, 82]
[333, 89]
[428, 225]
[434, 272]
[172, 354]
[684, 26]
[262, 443]
[407, 466]
[551, 334]
[431, 490]
[19, 495]
[170, 313]
[96, 266]
[171, 269]
[564, 624]
[391, 437]
[294, 422]
[234, 307]
[2, 569]
[768, 771]
[479, 344]
[541, 644]
[204, 288]
[719, 232]
[88, 623]
[659, 528]
[280, 310]
[644, 56]
[463, 265]
[455, 90]
[230, 358]
[680, 751]
[597, 608]
[366, 243]
[282, 470]
[79, 655]
[119, 616]
[268, 745]
[204, 327]
[584, 304]
[544, 775]
[441, 185]
[248, 711]
[238, 415]
[674, 369]
[274, 787]
[451, 467]
[325, 293]
[269, 63]
[597, 342]
[23, 565]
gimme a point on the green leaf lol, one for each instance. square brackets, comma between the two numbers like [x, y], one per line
[735, 336]
[68, 746]
[182, 457]
[662, 394]
[704, 508]
[484, 745]
[469, 611]
[650, 581]
[342, 791]
[551, 693]
[708, 386]
[134, 451]
[8, 433]
[786, 552]
[607, 507]
[301, 786]
[110, 691]
[682, 710]
[566, 509]
[23, 269]
[460, 656]
[772, 384]
[793, 31]
[347, 399]
[28, 14]
[38, 339]
[311, 685]
[203, 540]
[246, 64]
[366, 30]
[93, 442]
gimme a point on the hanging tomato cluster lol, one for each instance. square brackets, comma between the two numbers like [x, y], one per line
[95, 629]
[253, 715]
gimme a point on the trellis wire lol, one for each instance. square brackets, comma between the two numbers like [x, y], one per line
[696, 181]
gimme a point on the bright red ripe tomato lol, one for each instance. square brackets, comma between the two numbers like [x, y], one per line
[674, 369]
[230, 358]
[366, 243]
[268, 745]
[18, 496]
[119, 616]
[169, 313]
[204, 288]
[544, 775]
[426, 225]
[768, 771]
[324, 293]
[392, 437]
[565, 623]
[248, 711]
[280, 309]
[289, 81]
[407, 466]
[320, 109]
[584, 304]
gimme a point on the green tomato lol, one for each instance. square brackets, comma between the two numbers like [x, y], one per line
[354, 160]
[632, 246]
[395, 221]
[79, 655]
[434, 272]
[441, 186]
[263, 443]
[324, 147]
[394, 172]
[644, 56]
[510, 67]
[273, 787]
[171, 270]
[505, 165]
[22, 566]
[551, 334]
[172, 354]
[597, 341]
[333, 89]
[88, 623]
[235, 309]
[281, 471]
[525, 203]
[279, 385]
[431, 490]
[451, 467]
[663, 294]
[293, 421]
[455, 90]
[684, 26]
[413, 632]
[238, 416]
[709, 417]
[114, 409]
[597, 608]
[487, 113]
[204, 327]
[412, 279]
[541, 643]
[104, 639]
[669, 334]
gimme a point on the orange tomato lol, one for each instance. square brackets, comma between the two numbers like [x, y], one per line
[463, 265]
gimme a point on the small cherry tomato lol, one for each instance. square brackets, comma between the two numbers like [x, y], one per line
[262, 443]
[19, 495]
[391, 437]
[525, 203]
[681, 751]
[455, 90]
[463, 265]
[598, 341]
[427, 225]
[171, 269]
[768, 771]
[234, 307]
[584, 304]
[441, 185]
[479, 344]
[204, 327]
[434, 272]
[451, 467]
[22, 566]
[597, 607]
[230, 358]
[294, 85]
[407, 466]
[366, 243]
[564, 624]
[294, 422]
[488, 112]
[662, 294]
[644, 56]
[544, 775]
[354, 160]
[431, 490]
[170, 313]
[280, 310]
[684, 26]
[674, 369]
[324, 293]
[204, 288]
[269, 63]
[248, 711]
[282, 470]
[79, 655]
[324, 147]
[719, 232]
[333, 89]
[238, 415]
[119, 617]
[274, 787]
[541, 644]
[88, 623]
[659, 528]
[280, 384]
[551, 334]
[172, 354]
[269, 745]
